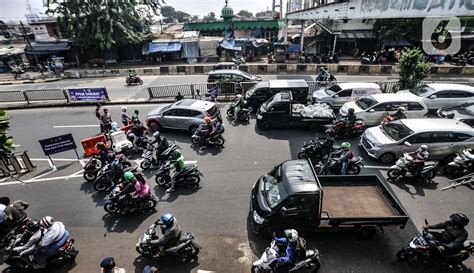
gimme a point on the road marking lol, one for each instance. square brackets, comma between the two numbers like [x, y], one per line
[39, 180]
[204, 271]
[74, 126]
[376, 167]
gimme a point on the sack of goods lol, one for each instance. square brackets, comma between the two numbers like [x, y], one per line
[318, 110]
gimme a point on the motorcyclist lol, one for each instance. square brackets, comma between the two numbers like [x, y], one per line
[105, 155]
[135, 117]
[216, 128]
[127, 190]
[419, 157]
[161, 142]
[323, 74]
[295, 247]
[328, 140]
[33, 244]
[451, 239]
[132, 73]
[126, 120]
[171, 232]
[141, 190]
[237, 105]
[400, 114]
[178, 166]
[345, 157]
[138, 132]
[55, 235]
[205, 131]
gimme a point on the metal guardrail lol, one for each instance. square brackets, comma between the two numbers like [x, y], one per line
[167, 91]
[46, 95]
[12, 96]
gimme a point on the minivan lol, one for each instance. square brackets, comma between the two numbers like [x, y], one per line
[263, 91]
[338, 94]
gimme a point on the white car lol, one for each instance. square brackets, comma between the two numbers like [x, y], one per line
[437, 95]
[372, 109]
[341, 93]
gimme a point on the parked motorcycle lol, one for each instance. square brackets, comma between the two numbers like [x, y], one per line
[185, 249]
[243, 116]
[217, 139]
[239, 59]
[114, 204]
[463, 163]
[267, 262]
[270, 57]
[422, 245]
[189, 177]
[403, 166]
[150, 156]
[134, 80]
[340, 129]
[334, 166]
[316, 150]
[91, 169]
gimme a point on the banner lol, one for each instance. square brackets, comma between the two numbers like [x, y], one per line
[57, 144]
[88, 94]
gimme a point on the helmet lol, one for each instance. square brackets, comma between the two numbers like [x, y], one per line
[108, 263]
[106, 110]
[124, 108]
[167, 219]
[239, 96]
[291, 235]
[114, 125]
[424, 147]
[129, 70]
[329, 132]
[156, 135]
[345, 145]
[128, 176]
[351, 110]
[459, 219]
[207, 119]
[46, 222]
[33, 225]
[100, 145]
[401, 109]
[177, 153]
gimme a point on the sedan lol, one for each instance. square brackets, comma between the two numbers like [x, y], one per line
[463, 113]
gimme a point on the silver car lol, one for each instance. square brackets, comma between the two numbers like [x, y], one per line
[182, 115]
[444, 138]
[341, 93]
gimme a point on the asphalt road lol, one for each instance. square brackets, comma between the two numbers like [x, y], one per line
[217, 213]
[118, 90]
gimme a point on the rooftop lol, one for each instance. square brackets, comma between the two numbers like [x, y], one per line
[298, 177]
[396, 97]
[436, 124]
[450, 86]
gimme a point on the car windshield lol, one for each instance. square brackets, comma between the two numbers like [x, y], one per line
[421, 90]
[333, 90]
[396, 130]
[273, 189]
[267, 105]
[366, 102]
[165, 108]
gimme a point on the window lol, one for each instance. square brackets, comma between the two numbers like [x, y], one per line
[188, 113]
[383, 107]
[438, 137]
[172, 112]
[366, 103]
[420, 138]
[458, 137]
[215, 76]
[238, 78]
[414, 106]
[442, 94]
[345, 93]
[460, 94]
[300, 203]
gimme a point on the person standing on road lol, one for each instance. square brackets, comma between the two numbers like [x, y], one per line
[98, 115]
[106, 120]
[178, 97]
[126, 120]
[108, 266]
[197, 96]
[135, 118]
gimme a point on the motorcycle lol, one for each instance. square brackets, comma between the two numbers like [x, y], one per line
[190, 177]
[212, 94]
[340, 130]
[329, 78]
[91, 169]
[142, 142]
[422, 245]
[316, 150]
[239, 59]
[334, 166]
[463, 163]
[185, 249]
[267, 262]
[134, 80]
[270, 57]
[387, 119]
[110, 174]
[217, 139]
[243, 116]
[114, 204]
[150, 156]
[404, 166]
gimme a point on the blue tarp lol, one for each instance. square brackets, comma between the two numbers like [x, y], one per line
[164, 47]
[294, 48]
[236, 44]
[45, 48]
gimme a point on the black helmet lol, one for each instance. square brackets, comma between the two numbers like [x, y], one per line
[350, 110]
[329, 132]
[459, 219]
[100, 145]
[33, 225]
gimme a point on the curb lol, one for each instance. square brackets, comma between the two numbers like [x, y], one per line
[29, 81]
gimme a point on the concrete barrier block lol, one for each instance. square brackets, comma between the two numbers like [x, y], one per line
[291, 68]
[386, 69]
[311, 69]
[271, 68]
[364, 69]
[301, 68]
[468, 70]
[443, 70]
[190, 70]
[252, 69]
[281, 69]
[332, 68]
[207, 68]
[375, 69]
[172, 70]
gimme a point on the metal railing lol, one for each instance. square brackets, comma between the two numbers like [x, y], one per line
[12, 96]
[167, 91]
[41, 95]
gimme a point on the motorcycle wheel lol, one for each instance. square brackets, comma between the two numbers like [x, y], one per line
[246, 117]
[128, 81]
[405, 254]
[109, 208]
[145, 164]
[430, 175]
[191, 253]
[140, 81]
[317, 169]
[355, 169]
[195, 179]
[302, 155]
[195, 140]
[255, 269]
[161, 181]
[151, 204]
[220, 141]
[100, 185]
[230, 113]
[393, 173]
[451, 170]
[89, 176]
[140, 250]
[314, 266]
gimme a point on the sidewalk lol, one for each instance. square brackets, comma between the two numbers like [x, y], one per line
[28, 77]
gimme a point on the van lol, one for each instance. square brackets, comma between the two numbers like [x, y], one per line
[233, 75]
[338, 94]
[263, 91]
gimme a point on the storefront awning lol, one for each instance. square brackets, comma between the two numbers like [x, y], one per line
[45, 48]
[390, 43]
[164, 47]
[10, 50]
[236, 44]
[355, 35]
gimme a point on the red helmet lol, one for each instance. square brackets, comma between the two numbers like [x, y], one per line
[207, 119]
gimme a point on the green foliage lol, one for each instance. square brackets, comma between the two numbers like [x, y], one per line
[7, 146]
[412, 68]
[245, 14]
[396, 29]
[169, 13]
[99, 24]
[211, 17]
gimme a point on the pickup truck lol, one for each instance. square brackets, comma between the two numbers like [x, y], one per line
[293, 196]
[264, 90]
[281, 111]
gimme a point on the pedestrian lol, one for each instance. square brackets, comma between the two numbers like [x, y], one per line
[197, 96]
[98, 115]
[108, 266]
[125, 118]
[135, 117]
[178, 97]
[106, 120]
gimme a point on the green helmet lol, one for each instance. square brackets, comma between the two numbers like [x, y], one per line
[345, 145]
[177, 153]
[128, 176]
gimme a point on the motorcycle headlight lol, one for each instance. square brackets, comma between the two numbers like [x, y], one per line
[458, 159]
[257, 218]
[259, 116]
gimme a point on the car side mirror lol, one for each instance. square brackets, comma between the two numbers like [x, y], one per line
[372, 110]
[406, 143]
[271, 109]
[432, 97]
[336, 96]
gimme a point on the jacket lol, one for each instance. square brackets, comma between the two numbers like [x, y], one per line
[170, 235]
[53, 234]
[32, 245]
[294, 252]
[453, 236]
[141, 190]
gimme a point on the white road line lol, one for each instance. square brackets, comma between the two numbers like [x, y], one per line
[376, 167]
[41, 175]
[55, 159]
[204, 271]
[40, 180]
[74, 126]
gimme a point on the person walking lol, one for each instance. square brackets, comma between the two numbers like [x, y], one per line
[98, 115]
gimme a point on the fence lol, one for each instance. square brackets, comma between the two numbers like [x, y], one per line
[29, 96]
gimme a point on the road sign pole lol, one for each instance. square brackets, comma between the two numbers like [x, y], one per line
[75, 150]
[52, 163]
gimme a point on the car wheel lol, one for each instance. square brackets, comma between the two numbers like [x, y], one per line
[265, 125]
[387, 158]
[155, 125]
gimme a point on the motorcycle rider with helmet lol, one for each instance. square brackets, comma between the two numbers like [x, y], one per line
[161, 141]
[105, 155]
[453, 235]
[419, 157]
[138, 131]
[205, 130]
[54, 237]
[295, 247]
[345, 157]
[33, 244]
[350, 120]
[128, 189]
[142, 190]
[126, 120]
[171, 232]
[237, 105]
[132, 73]
[400, 114]
[178, 166]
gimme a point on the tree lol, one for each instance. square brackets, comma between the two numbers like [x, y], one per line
[99, 24]
[182, 16]
[195, 18]
[245, 14]
[7, 146]
[168, 13]
[211, 17]
[412, 68]
[261, 14]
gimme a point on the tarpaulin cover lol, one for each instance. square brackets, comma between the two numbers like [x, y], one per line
[231, 44]
[190, 50]
[164, 47]
[208, 47]
[47, 48]
[294, 48]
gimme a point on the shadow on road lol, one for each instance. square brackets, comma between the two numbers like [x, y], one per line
[412, 185]
[124, 223]
[165, 264]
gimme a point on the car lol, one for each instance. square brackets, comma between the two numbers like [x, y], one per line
[444, 138]
[463, 113]
[338, 94]
[233, 75]
[372, 109]
[185, 114]
[437, 95]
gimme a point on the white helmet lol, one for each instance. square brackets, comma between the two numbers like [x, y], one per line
[124, 108]
[239, 96]
[401, 109]
[156, 134]
[46, 222]
[424, 147]
[291, 235]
